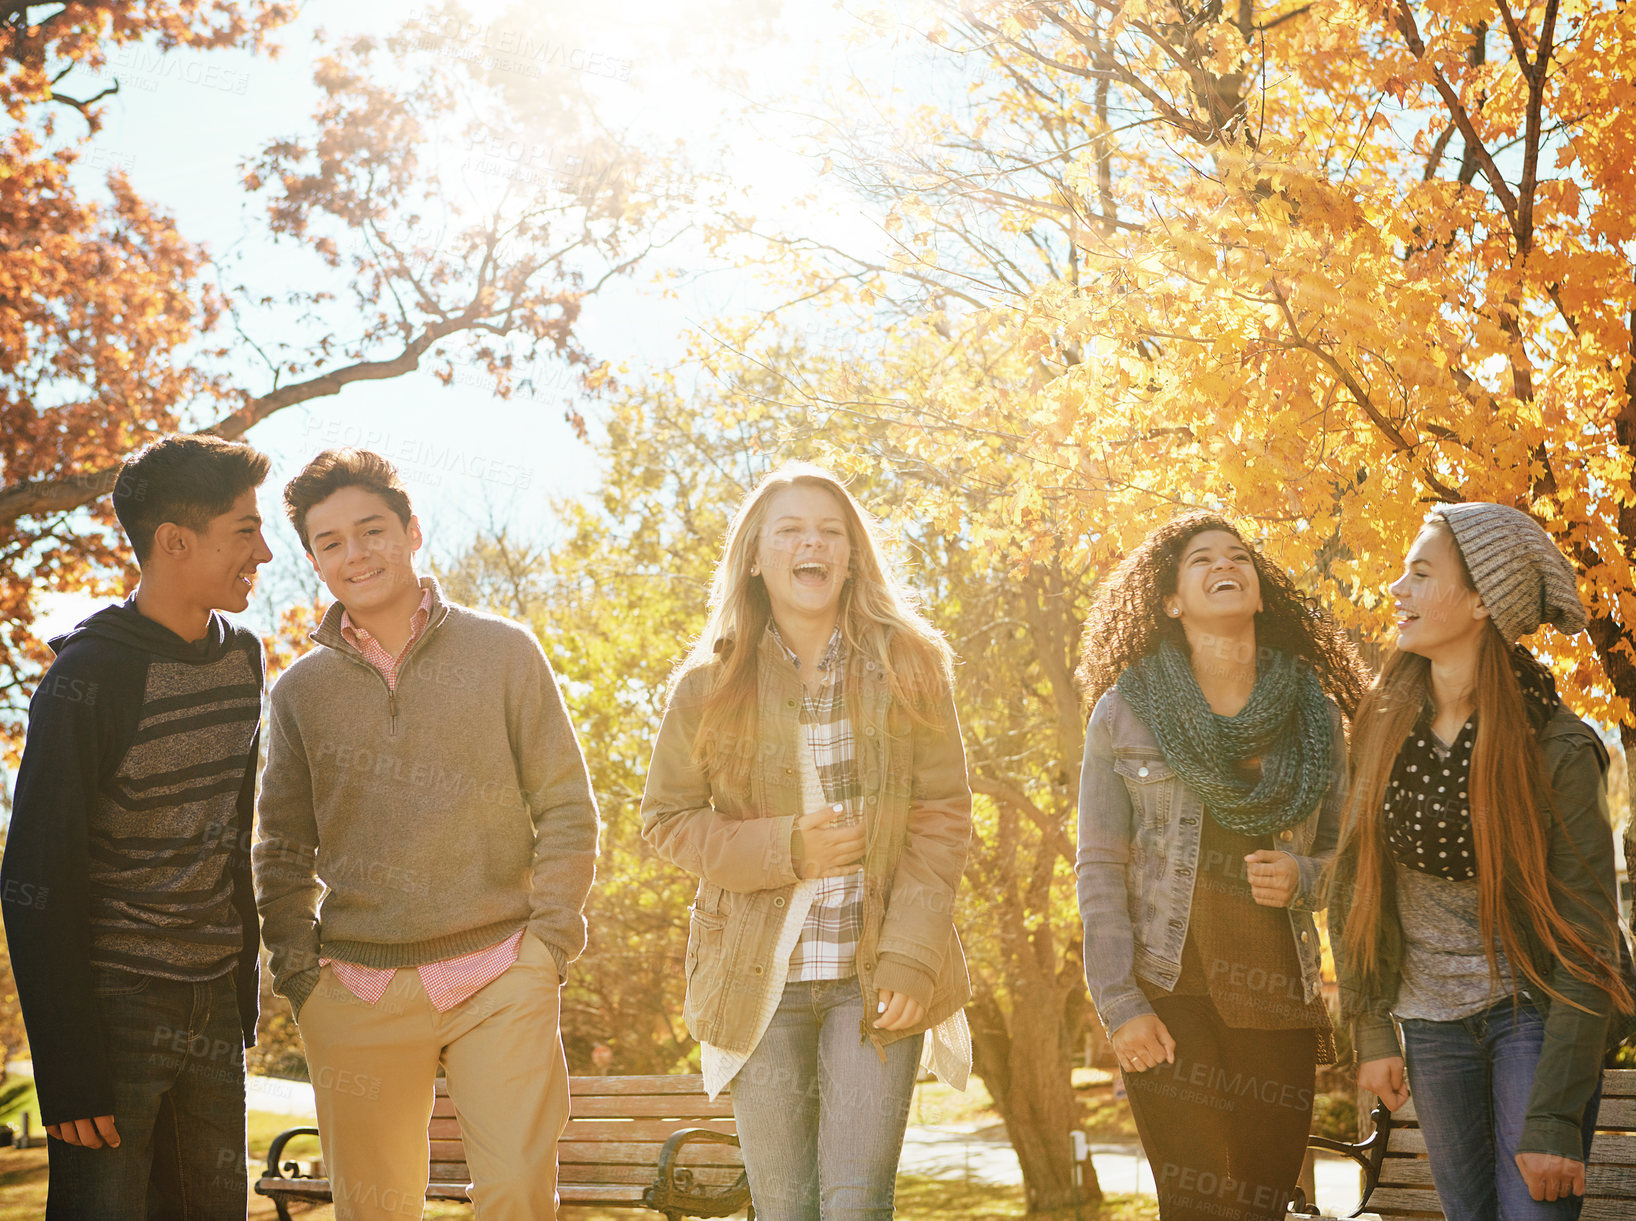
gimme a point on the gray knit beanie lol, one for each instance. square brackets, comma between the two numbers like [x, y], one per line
[1520, 575]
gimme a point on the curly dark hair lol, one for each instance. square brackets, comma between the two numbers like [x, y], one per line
[1127, 621]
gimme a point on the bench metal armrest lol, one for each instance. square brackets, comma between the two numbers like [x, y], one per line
[675, 1192]
[276, 1151]
[1369, 1154]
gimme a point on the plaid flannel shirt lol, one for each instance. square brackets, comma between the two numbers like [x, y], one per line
[828, 945]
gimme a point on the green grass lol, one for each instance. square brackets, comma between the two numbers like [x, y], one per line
[943, 1200]
[17, 1096]
[262, 1128]
[936, 1103]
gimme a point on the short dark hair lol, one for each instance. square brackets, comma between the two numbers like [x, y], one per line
[185, 480]
[335, 469]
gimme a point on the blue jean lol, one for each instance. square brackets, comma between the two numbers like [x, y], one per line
[176, 1053]
[1471, 1079]
[820, 1115]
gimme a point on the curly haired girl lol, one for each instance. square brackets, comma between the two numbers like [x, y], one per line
[1209, 806]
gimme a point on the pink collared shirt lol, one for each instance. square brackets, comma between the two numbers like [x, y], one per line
[452, 980]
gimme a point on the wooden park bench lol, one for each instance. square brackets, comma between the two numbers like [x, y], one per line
[1397, 1180]
[633, 1142]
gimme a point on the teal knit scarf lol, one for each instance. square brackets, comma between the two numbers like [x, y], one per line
[1285, 724]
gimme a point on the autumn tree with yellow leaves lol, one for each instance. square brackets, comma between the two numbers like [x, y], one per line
[1320, 263]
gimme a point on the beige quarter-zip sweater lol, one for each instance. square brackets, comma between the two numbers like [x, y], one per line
[404, 827]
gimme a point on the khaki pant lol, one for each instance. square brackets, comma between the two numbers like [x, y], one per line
[373, 1068]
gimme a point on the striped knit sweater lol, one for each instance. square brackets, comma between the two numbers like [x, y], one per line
[129, 841]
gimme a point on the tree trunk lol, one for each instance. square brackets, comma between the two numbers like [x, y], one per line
[1025, 1062]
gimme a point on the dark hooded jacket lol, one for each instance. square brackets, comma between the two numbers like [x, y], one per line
[128, 710]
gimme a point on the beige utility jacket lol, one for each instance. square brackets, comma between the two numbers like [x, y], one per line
[917, 810]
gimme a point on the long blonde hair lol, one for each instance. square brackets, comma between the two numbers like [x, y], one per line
[879, 620]
[1512, 810]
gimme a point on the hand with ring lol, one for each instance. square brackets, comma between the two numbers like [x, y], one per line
[1550, 1177]
[1142, 1043]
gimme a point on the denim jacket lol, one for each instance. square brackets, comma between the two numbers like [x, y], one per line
[917, 811]
[1139, 833]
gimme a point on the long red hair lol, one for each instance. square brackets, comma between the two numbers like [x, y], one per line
[1512, 813]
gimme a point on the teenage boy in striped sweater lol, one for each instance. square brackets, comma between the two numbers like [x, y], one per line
[428, 837]
[126, 883]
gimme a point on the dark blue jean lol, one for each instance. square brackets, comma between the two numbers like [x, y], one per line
[820, 1115]
[1470, 1080]
[176, 1052]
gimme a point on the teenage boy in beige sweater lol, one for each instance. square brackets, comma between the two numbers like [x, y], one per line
[428, 837]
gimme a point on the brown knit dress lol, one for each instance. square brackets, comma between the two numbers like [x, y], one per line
[1240, 954]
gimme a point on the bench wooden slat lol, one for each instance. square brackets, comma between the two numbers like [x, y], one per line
[612, 1194]
[1614, 1149]
[1618, 1109]
[1618, 1113]
[1615, 1182]
[656, 1108]
[610, 1153]
[646, 1153]
[711, 1176]
[1608, 1148]
[302, 1189]
[1605, 1210]
[1403, 1201]
[639, 1129]
[446, 1173]
[318, 1189]
[1619, 1082]
[682, 1083]
[572, 1193]
[591, 1087]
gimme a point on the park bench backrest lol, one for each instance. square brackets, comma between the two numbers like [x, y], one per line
[618, 1128]
[1406, 1190]
[633, 1142]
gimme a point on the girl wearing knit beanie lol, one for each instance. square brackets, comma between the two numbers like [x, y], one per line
[1209, 805]
[1474, 898]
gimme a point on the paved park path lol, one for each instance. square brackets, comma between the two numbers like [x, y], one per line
[980, 1153]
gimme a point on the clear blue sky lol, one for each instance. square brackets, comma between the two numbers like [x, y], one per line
[661, 70]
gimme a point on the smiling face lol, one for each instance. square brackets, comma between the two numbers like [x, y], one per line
[803, 552]
[1216, 582]
[1438, 613]
[363, 553]
[222, 559]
